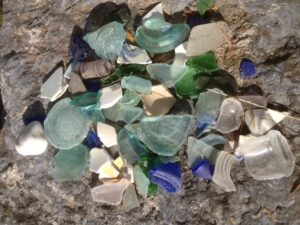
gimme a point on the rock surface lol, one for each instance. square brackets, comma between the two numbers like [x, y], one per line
[34, 38]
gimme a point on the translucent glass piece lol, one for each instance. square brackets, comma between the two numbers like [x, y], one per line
[158, 36]
[198, 150]
[164, 135]
[136, 84]
[130, 98]
[166, 74]
[259, 121]
[107, 41]
[70, 164]
[223, 166]
[110, 95]
[131, 54]
[107, 134]
[110, 192]
[92, 112]
[267, 157]
[86, 99]
[99, 157]
[256, 99]
[204, 63]
[65, 126]
[130, 199]
[76, 85]
[214, 140]
[141, 180]
[180, 54]
[208, 105]
[204, 5]
[95, 69]
[156, 12]
[231, 116]
[130, 146]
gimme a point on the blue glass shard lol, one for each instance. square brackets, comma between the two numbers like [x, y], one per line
[92, 140]
[203, 169]
[79, 49]
[248, 69]
[93, 85]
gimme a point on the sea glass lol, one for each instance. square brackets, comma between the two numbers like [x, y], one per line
[167, 176]
[76, 85]
[92, 140]
[156, 12]
[130, 146]
[231, 116]
[141, 180]
[204, 5]
[180, 54]
[260, 121]
[107, 41]
[248, 69]
[158, 36]
[130, 199]
[130, 98]
[223, 166]
[65, 126]
[95, 69]
[110, 95]
[203, 169]
[164, 135]
[79, 49]
[267, 157]
[208, 105]
[107, 134]
[71, 164]
[136, 84]
[92, 112]
[251, 101]
[205, 63]
[198, 150]
[119, 112]
[187, 87]
[111, 192]
[86, 99]
[131, 54]
[166, 74]
[98, 157]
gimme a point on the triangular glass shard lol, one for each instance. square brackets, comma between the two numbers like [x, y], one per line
[70, 164]
[166, 74]
[180, 54]
[110, 95]
[130, 199]
[164, 135]
[65, 126]
[158, 36]
[107, 41]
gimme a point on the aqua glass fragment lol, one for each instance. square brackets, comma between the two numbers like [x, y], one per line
[164, 135]
[166, 74]
[65, 126]
[208, 106]
[130, 146]
[214, 140]
[125, 113]
[130, 199]
[107, 41]
[187, 87]
[158, 36]
[86, 99]
[130, 98]
[70, 164]
[136, 84]
[93, 112]
[141, 180]
[204, 63]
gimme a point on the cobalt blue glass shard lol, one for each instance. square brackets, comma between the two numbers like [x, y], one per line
[167, 176]
[107, 41]
[79, 49]
[93, 85]
[248, 69]
[203, 169]
[92, 140]
[158, 36]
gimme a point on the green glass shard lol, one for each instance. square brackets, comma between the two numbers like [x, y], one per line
[86, 99]
[164, 135]
[125, 113]
[107, 41]
[136, 84]
[132, 69]
[208, 105]
[70, 164]
[204, 5]
[187, 86]
[204, 63]
[141, 180]
[167, 74]
[130, 98]
[130, 146]
[158, 36]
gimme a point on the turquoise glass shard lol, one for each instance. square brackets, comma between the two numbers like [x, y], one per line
[214, 140]
[205, 63]
[164, 135]
[107, 41]
[141, 180]
[130, 98]
[130, 146]
[166, 74]
[70, 164]
[136, 84]
[125, 113]
[198, 150]
[158, 36]
[93, 113]
[65, 126]
[208, 105]
[86, 99]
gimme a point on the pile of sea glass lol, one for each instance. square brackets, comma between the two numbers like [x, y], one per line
[124, 118]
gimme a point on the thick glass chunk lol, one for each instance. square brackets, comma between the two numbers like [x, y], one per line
[136, 84]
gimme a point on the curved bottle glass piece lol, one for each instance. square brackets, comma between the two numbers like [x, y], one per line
[223, 167]
[65, 126]
[158, 36]
[267, 157]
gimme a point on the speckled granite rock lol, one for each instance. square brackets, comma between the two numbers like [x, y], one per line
[35, 37]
